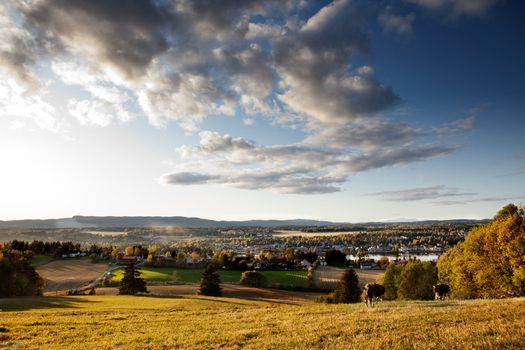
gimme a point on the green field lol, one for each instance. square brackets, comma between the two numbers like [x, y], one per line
[193, 322]
[163, 275]
[38, 260]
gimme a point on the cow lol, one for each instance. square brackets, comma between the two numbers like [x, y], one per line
[441, 290]
[373, 292]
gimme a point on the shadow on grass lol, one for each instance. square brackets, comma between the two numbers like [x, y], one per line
[31, 303]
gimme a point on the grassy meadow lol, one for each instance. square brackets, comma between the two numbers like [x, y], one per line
[194, 322]
[164, 275]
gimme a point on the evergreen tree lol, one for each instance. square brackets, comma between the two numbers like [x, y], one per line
[210, 282]
[349, 291]
[132, 283]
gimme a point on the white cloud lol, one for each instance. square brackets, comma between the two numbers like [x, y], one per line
[295, 168]
[396, 23]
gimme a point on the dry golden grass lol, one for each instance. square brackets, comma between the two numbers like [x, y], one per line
[193, 322]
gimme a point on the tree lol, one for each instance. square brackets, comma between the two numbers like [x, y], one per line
[349, 291]
[254, 279]
[335, 257]
[17, 276]
[210, 282]
[416, 280]
[132, 283]
[391, 281]
[499, 248]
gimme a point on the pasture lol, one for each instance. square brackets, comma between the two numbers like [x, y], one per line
[167, 275]
[195, 322]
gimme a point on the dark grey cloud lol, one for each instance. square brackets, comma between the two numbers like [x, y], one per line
[420, 193]
[127, 34]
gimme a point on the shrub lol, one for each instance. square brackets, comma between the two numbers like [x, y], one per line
[254, 279]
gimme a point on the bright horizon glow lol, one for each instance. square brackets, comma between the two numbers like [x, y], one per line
[341, 111]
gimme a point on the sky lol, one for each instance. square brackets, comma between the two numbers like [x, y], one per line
[343, 110]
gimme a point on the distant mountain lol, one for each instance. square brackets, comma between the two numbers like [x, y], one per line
[153, 221]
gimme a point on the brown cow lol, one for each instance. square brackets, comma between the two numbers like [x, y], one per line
[441, 290]
[373, 292]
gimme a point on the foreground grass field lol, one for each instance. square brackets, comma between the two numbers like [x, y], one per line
[192, 322]
[160, 275]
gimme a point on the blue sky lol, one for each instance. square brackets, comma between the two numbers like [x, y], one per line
[341, 110]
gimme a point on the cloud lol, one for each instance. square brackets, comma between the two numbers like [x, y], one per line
[396, 23]
[421, 193]
[295, 168]
[314, 66]
[186, 61]
[457, 7]
[375, 133]
[481, 200]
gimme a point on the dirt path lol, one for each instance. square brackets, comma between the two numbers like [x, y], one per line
[68, 274]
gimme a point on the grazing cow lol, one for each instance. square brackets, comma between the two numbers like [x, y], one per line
[441, 290]
[373, 292]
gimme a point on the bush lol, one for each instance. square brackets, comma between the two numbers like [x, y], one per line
[254, 279]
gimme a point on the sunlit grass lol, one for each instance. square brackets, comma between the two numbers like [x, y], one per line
[161, 275]
[195, 322]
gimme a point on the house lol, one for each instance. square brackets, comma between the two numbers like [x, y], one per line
[126, 260]
[367, 266]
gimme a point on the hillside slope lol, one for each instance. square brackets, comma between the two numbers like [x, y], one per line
[192, 322]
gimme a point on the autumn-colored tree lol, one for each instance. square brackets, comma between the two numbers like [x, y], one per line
[491, 260]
